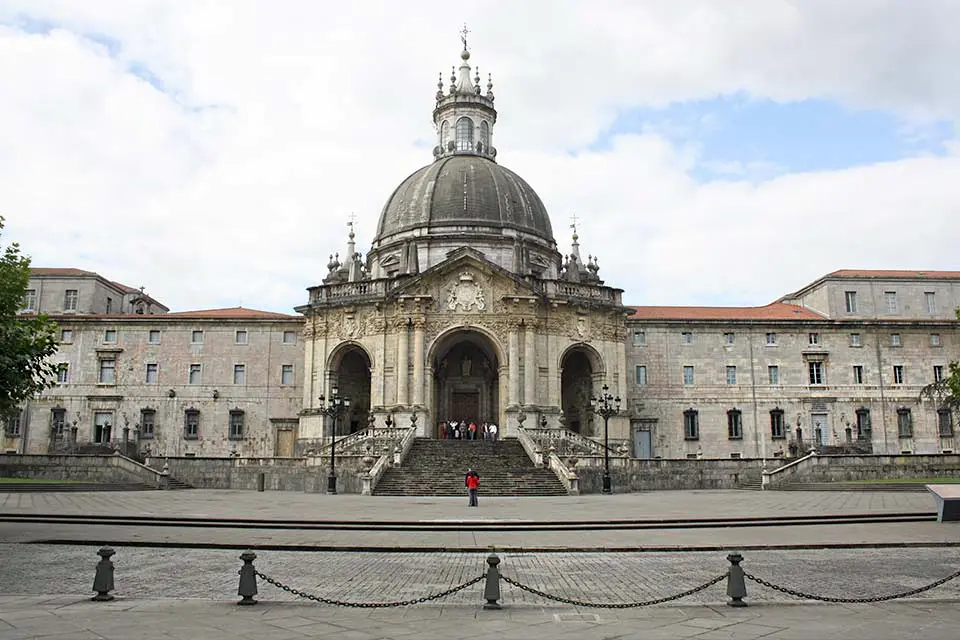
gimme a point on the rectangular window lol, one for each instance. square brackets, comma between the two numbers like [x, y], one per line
[109, 306]
[687, 375]
[891, 300]
[731, 374]
[777, 431]
[196, 337]
[813, 339]
[152, 371]
[102, 427]
[63, 373]
[773, 374]
[13, 424]
[935, 340]
[241, 336]
[66, 336]
[930, 299]
[195, 372]
[686, 337]
[289, 337]
[937, 372]
[153, 337]
[236, 425]
[945, 422]
[855, 340]
[191, 424]
[894, 339]
[239, 374]
[691, 425]
[771, 339]
[734, 425]
[147, 420]
[857, 374]
[816, 372]
[286, 374]
[850, 297]
[898, 374]
[904, 423]
[640, 374]
[108, 371]
[639, 338]
[70, 298]
[30, 300]
[110, 336]
[58, 420]
[728, 338]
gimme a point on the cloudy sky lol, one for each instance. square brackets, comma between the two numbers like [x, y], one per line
[717, 152]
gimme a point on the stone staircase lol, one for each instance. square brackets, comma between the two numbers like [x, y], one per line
[437, 468]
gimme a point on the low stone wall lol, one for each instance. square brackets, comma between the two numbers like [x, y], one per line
[840, 468]
[79, 467]
[635, 474]
[280, 474]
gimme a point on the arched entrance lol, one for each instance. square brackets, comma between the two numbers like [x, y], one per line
[466, 379]
[350, 371]
[579, 367]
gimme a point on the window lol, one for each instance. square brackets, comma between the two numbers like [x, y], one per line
[686, 337]
[728, 338]
[58, 420]
[735, 455]
[236, 424]
[773, 374]
[691, 425]
[464, 134]
[109, 306]
[639, 338]
[63, 373]
[904, 423]
[194, 376]
[70, 298]
[937, 372]
[731, 374]
[898, 374]
[850, 297]
[286, 374]
[110, 336]
[196, 337]
[485, 134]
[239, 374]
[855, 340]
[935, 340]
[191, 424]
[891, 300]
[895, 340]
[734, 425]
[147, 420]
[687, 375]
[857, 374]
[771, 339]
[30, 300]
[813, 339]
[108, 371]
[241, 336]
[152, 371]
[153, 337]
[13, 424]
[930, 299]
[66, 336]
[945, 422]
[289, 337]
[640, 374]
[777, 431]
[102, 426]
[816, 372]
[444, 134]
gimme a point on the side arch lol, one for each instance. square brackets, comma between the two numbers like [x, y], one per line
[350, 367]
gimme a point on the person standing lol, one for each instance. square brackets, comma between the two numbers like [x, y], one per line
[493, 432]
[472, 480]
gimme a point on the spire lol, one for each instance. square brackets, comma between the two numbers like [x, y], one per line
[575, 246]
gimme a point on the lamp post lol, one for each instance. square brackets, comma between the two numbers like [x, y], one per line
[605, 405]
[332, 407]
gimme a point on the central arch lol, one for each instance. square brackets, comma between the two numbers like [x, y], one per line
[466, 378]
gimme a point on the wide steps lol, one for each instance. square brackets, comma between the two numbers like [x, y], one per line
[59, 487]
[853, 486]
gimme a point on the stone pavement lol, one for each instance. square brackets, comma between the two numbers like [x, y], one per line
[73, 618]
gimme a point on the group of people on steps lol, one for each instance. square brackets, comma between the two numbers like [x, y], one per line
[463, 430]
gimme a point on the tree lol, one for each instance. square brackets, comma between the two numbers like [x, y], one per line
[26, 341]
[946, 392]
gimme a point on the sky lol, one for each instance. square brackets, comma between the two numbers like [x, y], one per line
[715, 153]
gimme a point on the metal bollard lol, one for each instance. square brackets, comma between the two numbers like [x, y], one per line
[736, 586]
[261, 481]
[103, 580]
[248, 579]
[491, 589]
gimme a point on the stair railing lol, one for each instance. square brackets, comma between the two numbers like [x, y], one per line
[533, 450]
[792, 469]
[567, 477]
[403, 447]
[142, 472]
[569, 442]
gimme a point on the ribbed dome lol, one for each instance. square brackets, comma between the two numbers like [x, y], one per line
[464, 191]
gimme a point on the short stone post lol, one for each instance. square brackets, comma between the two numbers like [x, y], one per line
[736, 586]
[164, 477]
[248, 579]
[491, 590]
[103, 580]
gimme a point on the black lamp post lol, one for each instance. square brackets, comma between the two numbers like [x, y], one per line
[605, 405]
[332, 407]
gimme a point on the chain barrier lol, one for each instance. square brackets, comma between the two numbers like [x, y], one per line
[368, 605]
[810, 596]
[615, 605]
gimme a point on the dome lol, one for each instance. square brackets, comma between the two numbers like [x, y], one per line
[464, 191]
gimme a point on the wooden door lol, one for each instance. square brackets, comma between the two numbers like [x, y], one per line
[285, 438]
[465, 405]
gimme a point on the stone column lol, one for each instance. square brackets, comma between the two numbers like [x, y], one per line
[553, 371]
[514, 367]
[529, 364]
[403, 359]
[418, 356]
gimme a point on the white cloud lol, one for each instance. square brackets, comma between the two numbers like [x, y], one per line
[214, 155]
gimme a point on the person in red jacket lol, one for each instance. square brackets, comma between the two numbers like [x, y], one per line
[472, 480]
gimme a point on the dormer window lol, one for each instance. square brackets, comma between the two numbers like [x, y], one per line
[464, 134]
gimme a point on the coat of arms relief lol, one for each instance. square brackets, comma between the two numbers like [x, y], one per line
[466, 294]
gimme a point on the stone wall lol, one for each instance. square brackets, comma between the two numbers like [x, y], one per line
[84, 468]
[839, 468]
[633, 474]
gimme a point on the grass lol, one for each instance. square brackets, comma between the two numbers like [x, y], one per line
[39, 481]
[903, 480]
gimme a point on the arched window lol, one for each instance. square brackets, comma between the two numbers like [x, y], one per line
[465, 134]
[485, 135]
[444, 134]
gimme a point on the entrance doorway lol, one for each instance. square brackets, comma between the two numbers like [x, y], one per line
[578, 368]
[351, 372]
[466, 380]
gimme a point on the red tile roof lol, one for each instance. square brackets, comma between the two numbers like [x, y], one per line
[230, 313]
[893, 273]
[773, 311]
[61, 272]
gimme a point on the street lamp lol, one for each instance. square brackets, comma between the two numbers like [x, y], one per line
[332, 407]
[605, 405]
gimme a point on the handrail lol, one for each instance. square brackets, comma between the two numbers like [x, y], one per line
[131, 466]
[572, 436]
[404, 447]
[766, 477]
[373, 476]
[567, 477]
[533, 451]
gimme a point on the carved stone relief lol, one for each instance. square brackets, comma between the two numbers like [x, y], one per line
[466, 294]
